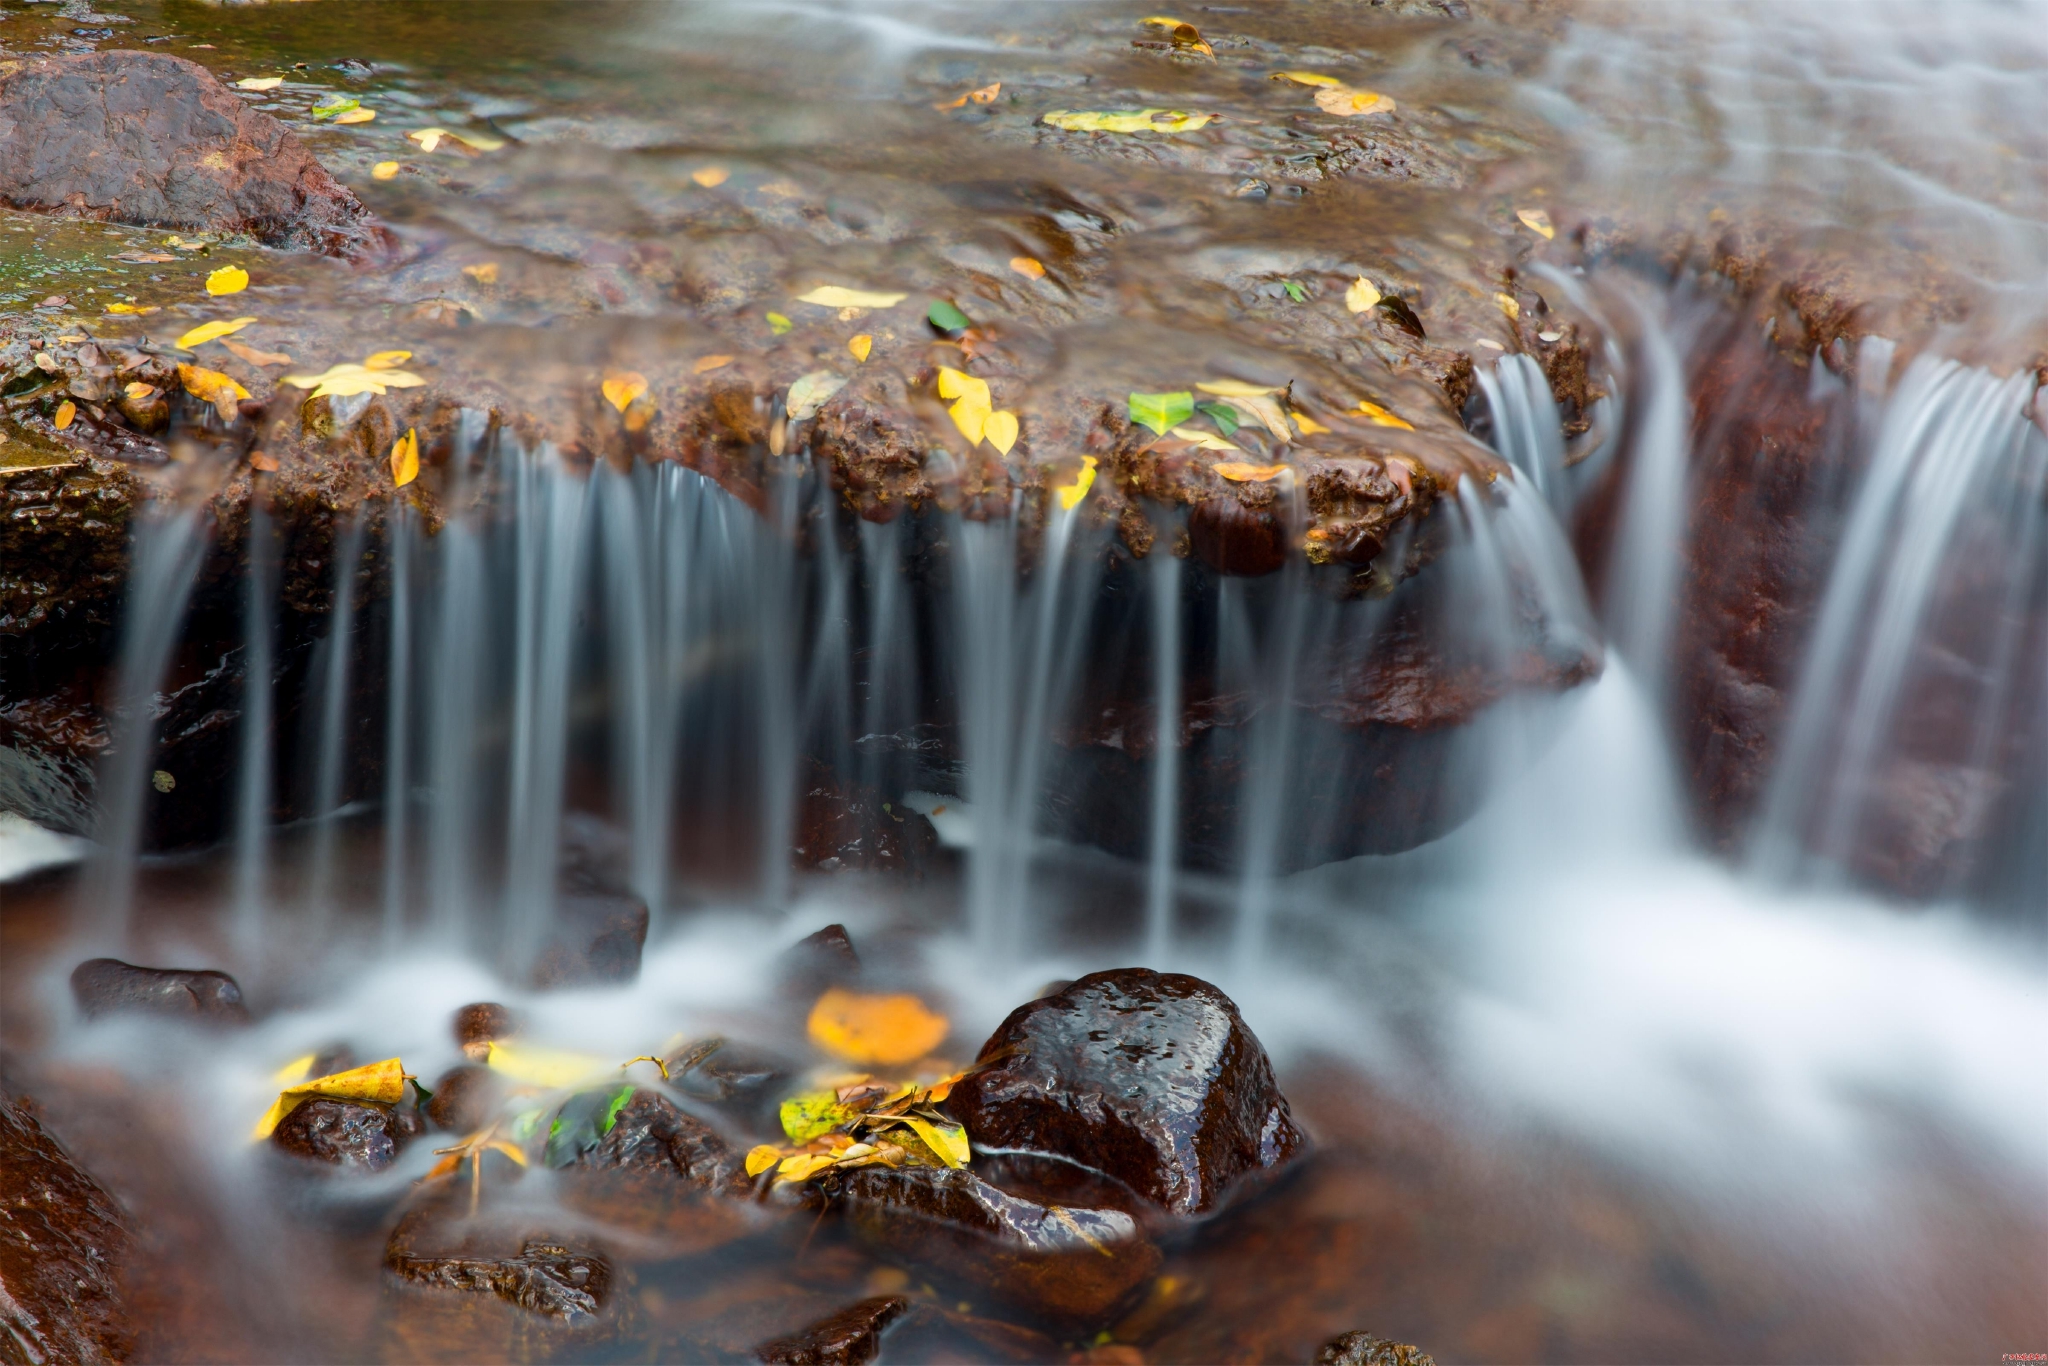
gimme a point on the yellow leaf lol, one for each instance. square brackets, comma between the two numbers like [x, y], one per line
[550, 1068]
[970, 412]
[987, 94]
[948, 1141]
[1508, 305]
[1381, 417]
[257, 357]
[65, 412]
[207, 332]
[427, 138]
[860, 345]
[483, 272]
[875, 1029]
[1127, 120]
[709, 363]
[1266, 408]
[137, 392]
[386, 360]
[803, 1166]
[999, 429]
[711, 177]
[296, 1070]
[1309, 78]
[134, 310]
[1352, 103]
[510, 1149]
[1163, 21]
[1240, 473]
[212, 387]
[227, 280]
[384, 170]
[405, 459]
[381, 1083]
[1208, 441]
[1537, 221]
[622, 387]
[779, 324]
[1362, 295]
[1028, 266]
[839, 296]
[356, 116]
[1309, 426]
[1232, 388]
[761, 1157]
[1070, 495]
[259, 83]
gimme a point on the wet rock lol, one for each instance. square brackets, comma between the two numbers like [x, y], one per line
[1151, 1078]
[61, 1244]
[661, 1180]
[346, 1133]
[841, 828]
[851, 1337]
[821, 959]
[1363, 1349]
[935, 1332]
[482, 1023]
[1068, 1259]
[155, 140]
[465, 1099]
[107, 986]
[1237, 538]
[596, 937]
[745, 1083]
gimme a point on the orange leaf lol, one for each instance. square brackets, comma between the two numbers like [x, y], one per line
[257, 357]
[710, 363]
[65, 412]
[1381, 417]
[1028, 266]
[622, 387]
[711, 177]
[860, 346]
[213, 387]
[875, 1029]
[1239, 472]
[405, 459]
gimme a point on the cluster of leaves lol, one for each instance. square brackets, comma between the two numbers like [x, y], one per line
[1335, 97]
[861, 1122]
[376, 373]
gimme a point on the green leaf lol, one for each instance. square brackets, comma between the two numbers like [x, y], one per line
[526, 1124]
[813, 1114]
[619, 1101]
[332, 105]
[1223, 415]
[948, 318]
[576, 1129]
[1162, 411]
[1294, 291]
[779, 324]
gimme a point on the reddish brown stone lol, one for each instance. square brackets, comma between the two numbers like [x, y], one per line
[61, 1243]
[343, 1133]
[851, 1337]
[106, 986]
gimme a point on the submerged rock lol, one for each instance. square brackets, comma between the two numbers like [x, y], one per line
[596, 937]
[155, 140]
[465, 1098]
[61, 1243]
[1151, 1078]
[663, 1180]
[1363, 1349]
[851, 1337]
[106, 986]
[821, 959]
[480, 1024]
[346, 1133]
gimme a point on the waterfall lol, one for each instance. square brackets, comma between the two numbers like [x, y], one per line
[1167, 665]
[397, 725]
[1644, 575]
[332, 716]
[1528, 431]
[254, 778]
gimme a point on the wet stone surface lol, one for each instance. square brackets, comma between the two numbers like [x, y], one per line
[851, 1337]
[107, 986]
[1363, 1349]
[348, 1134]
[62, 1239]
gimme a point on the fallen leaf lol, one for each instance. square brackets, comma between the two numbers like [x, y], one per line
[1240, 473]
[948, 1141]
[1126, 120]
[405, 459]
[1163, 21]
[860, 344]
[875, 1029]
[207, 332]
[1537, 221]
[1295, 291]
[137, 392]
[266, 463]
[1233, 388]
[947, 317]
[384, 170]
[1403, 473]
[1508, 305]
[427, 138]
[1309, 426]
[65, 412]
[227, 280]
[1382, 418]
[356, 116]
[809, 392]
[1000, 430]
[1550, 336]
[970, 413]
[814, 1114]
[379, 1083]
[804, 1166]
[987, 94]
[778, 324]
[839, 296]
[1223, 415]
[1491, 344]
[761, 1157]
[711, 177]
[549, 1068]
[707, 364]
[133, 310]
[1161, 411]
[347, 378]
[1071, 494]
[259, 83]
[1029, 267]
[622, 387]
[213, 387]
[1349, 103]
[334, 105]
[256, 357]
[1309, 78]
[1362, 295]
[386, 360]
[483, 272]
[144, 258]
[1398, 308]
[1207, 441]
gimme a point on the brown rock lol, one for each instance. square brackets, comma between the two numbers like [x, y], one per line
[824, 958]
[1235, 538]
[482, 1023]
[61, 1241]
[596, 937]
[465, 1099]
[661, 1180]
[851, 1337]
[155, 140]
[1151, 1078]
[1363, 1349]
[105, 986]
[343, 1133]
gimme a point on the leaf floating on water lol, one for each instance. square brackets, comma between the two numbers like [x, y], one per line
[137, 392]
[379, 1083]
[875, 1029]
[971, 411]
[947, 317]
[1223, 415]
[333, 105]
[622, 387]
[1235, 388]
[260, 461]
[65, 412]
[1295, 291]
[761, 1157]
[1126, 120]
[1349, 103]
[1397, 308]
[1028, 266]
[427, 138]
[257, 357]
[349, 378]
[356, 116]
[1205, 440]
[1382, 418]
[133, 310]
[809, 393]
[1070, 495]
[207, 332]
[861, 344]
[483, 272]
[986, 95]
[1240, 473]
[384, 170]
[549, 1068]
[1537, 221]
[711, 177]
[1000, 430]
[1508, 305]
[386, 360]
[706, 364]
[405, 459]
[211, 386]
[259, 83]
[779, 325]
[1315, 78]
[227, 280]
[1161, 411]
[1362, 295]
[814, 1114]
[1309, 426]
[1185, 36]
[839, 296]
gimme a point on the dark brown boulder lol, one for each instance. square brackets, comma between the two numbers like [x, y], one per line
[480, 1024]
[1234, 538]
[155, 140]
[1149, 1077]
[596, 937]
[106, 986]
[465, 1099]
[744, 1083]
[61, 1240]
[821, 959]
[851, 1337]
[344, 1133]
[1363, 1349]
[659, 1179]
